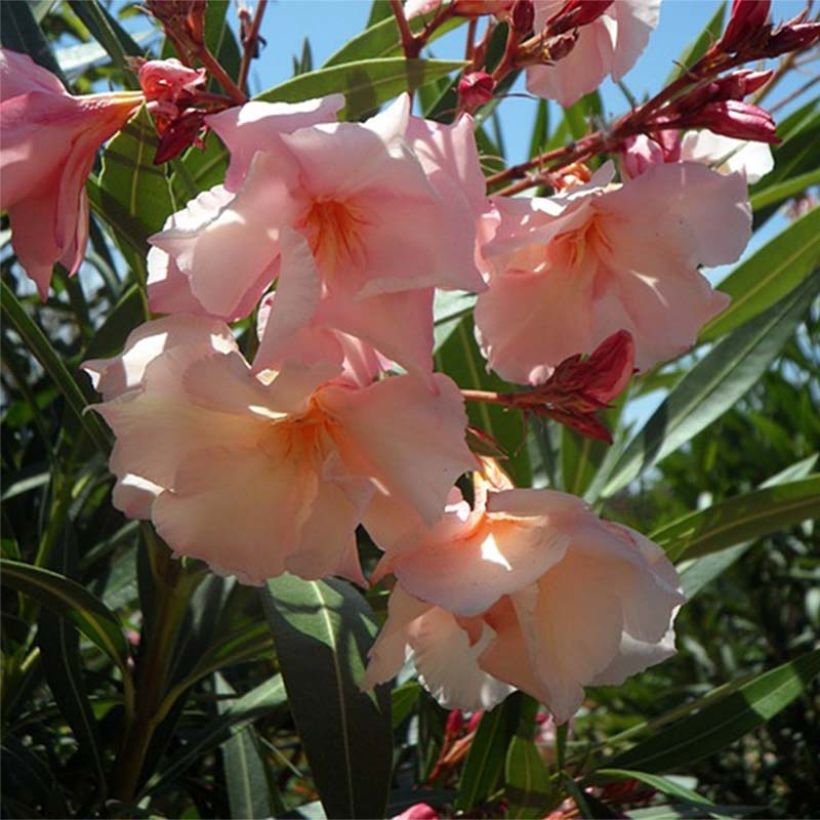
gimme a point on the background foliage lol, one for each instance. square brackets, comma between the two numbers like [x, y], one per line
[135, 685]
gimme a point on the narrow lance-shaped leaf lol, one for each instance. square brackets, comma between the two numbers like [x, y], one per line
[249, 792]
[259, 702]
[39, 346]
[748, 516]
[68, 598]
[719, 724]
[700, 572]
[769, 274]
[710, 388]
[323, 631]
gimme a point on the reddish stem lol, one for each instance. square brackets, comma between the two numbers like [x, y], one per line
[250, 44]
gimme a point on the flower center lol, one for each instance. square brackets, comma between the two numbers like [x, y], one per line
[335, 232]
[581, 246]
[305, 438]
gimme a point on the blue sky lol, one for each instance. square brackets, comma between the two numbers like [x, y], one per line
[328, 24]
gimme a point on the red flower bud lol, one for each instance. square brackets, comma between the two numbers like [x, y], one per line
[455, 723]
[577, 13]
[475, 8]
[178, 135]
[523, 16]
[734, 119]
[794, 35]
[475, 89]
[747, 20]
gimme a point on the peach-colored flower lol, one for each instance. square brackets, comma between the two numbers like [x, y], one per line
[609, 45]
[261, 474]
[568, 271]
[380, 226]
[49, 141]
[528, 590]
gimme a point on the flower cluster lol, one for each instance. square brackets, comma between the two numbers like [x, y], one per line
[335, 236]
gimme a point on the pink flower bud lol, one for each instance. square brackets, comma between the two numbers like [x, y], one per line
[475, 89]
[639, 153]
[475, 8]
[747, 19]
[169, 80]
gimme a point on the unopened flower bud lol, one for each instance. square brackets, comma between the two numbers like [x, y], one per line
[169, 80]
[638, 154]
[748, 17]
[475, 89]
[183, 22]
[179, 135]
[577, 13]
[523, 16]
[476, 8]
[556, 48]
[735, 119]
[794, 35]
[455, 723]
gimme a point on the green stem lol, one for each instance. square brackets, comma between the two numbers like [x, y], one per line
[173, 589]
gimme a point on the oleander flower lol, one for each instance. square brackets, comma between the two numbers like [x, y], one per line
[528, 590]
[50, 139]
[609, 45]
[568, 271]
[753, 160]
[373, 203]
[262, 474]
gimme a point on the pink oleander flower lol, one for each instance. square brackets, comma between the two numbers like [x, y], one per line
[262, 474]
[753, 160]
[387, 209]
[49, 140]
[528, 590]
[418, 811]
[609, 45]
[566, 272]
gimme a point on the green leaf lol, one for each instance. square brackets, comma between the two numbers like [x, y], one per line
[540, 129]
[220, 39]
[742, 518]
[259, 702]
[710, 388]
[697, 574]
[776, 193]
[110, 35]
[323, 631]
[661, 784]
[249, 790]
[366, 84]
[460, 358]
[382, 39]
[40, 347]
[527, 779]
[402, 702]
[58, 640]
[488, 753]
[769, 274]
[75, 602]
[130, 178]
[19, 31]
[719, 724]
[29, 781]
[698, 48]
